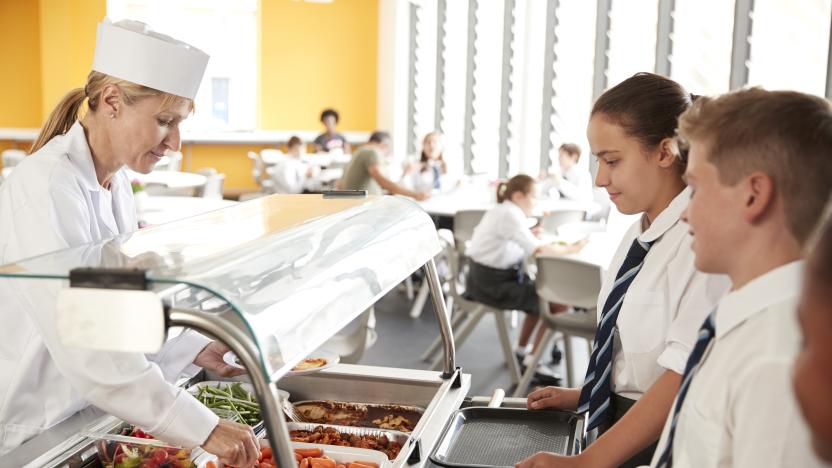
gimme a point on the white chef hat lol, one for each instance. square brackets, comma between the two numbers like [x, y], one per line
[131, 51]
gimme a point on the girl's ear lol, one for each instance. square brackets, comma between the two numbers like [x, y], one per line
[668, 153]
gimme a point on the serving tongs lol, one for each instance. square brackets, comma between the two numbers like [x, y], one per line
[293, 413]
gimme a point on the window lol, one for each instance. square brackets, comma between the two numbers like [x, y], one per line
[227, 97]
[575, 55]
[703, 32]
[632, 39]
[789, 45]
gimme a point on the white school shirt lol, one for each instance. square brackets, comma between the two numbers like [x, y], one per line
[664, 306]
[289, 175]
[53, 201]
[740, 410]
[576, 184]
[503, 238]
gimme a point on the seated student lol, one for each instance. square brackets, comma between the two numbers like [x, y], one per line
[291, 174]
[499, 245]
[652, 299]
[760, 167]
[812, 377]
[364, 171]
[570, 181]
[431, 172]
[331, 139]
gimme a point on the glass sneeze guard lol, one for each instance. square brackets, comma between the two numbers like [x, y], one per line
[291, 270]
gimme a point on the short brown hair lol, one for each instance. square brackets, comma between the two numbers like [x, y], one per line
[571, 149]
[785, 134]
[294, 141]
[521, 183]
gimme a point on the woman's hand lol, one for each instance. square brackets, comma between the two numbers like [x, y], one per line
[235, 444]
[211, 358]
[554, 397]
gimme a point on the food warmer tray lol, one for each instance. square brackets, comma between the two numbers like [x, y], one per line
[501, 437]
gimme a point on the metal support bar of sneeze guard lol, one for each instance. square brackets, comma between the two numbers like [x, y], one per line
[246, 351]
[442, 315]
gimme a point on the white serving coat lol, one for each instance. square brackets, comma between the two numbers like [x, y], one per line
[52, 201]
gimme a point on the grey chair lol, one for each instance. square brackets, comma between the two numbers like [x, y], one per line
[552, 221]
[260, 173]
[571, 282]
[468, 313]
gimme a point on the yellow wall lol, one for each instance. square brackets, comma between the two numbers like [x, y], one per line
[315, 56]
[20, 79]
[232, 160]
[67, 39]
[312, 56]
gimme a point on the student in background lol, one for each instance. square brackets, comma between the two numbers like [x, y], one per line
[291, 174]
[499, 245]
[331, 140]
[430, 172]
[652, 299]
[571, 181]
[364, 172]
[812, 377]
[759, 168]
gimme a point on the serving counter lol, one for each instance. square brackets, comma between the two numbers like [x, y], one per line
[273, 278]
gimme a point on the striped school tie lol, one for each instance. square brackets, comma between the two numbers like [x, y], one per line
[706, 334]
[595, 394]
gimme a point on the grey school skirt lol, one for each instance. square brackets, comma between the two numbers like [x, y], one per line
[508, 289]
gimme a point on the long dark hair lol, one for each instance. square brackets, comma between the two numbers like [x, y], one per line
[647, 106]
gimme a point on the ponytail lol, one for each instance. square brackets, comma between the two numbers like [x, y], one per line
[501, 191]
[521, 183]
[61, 119]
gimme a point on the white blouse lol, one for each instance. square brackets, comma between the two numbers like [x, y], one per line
[503, 238]
[664, 306]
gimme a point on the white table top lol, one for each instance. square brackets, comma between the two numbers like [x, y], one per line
[271, 158]
[449, 203]
[170, 179]
[159, 210]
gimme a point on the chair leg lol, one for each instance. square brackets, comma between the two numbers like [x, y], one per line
[408, 287]
[505, 341]
[467, 328]
[437, 343]
[527, 376]
[421, 298]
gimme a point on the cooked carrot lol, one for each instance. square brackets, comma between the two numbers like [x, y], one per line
[309, 452]
[210, 464]
[266, 452]
[304, 463]
[341, 466]
[321, 463]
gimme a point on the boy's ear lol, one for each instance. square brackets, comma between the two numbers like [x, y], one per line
[668, 152]
[759, 196]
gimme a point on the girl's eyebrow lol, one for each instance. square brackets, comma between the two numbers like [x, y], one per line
[603, 153]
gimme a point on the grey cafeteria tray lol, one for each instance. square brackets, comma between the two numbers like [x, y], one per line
[501, 437]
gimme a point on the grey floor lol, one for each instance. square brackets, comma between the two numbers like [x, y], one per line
[402, 340]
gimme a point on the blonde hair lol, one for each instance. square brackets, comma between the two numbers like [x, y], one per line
[785, 134]
[66, 112]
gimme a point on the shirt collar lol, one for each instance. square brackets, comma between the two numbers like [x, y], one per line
[775, 286]
[78, 151]
[667, 218]
[514, 209]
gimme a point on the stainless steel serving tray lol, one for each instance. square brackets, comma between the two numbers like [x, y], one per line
[395, 436]
[359, 406]
[482, 437]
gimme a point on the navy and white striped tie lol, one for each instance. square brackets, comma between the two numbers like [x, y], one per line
[706, 334]
[595, 394]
